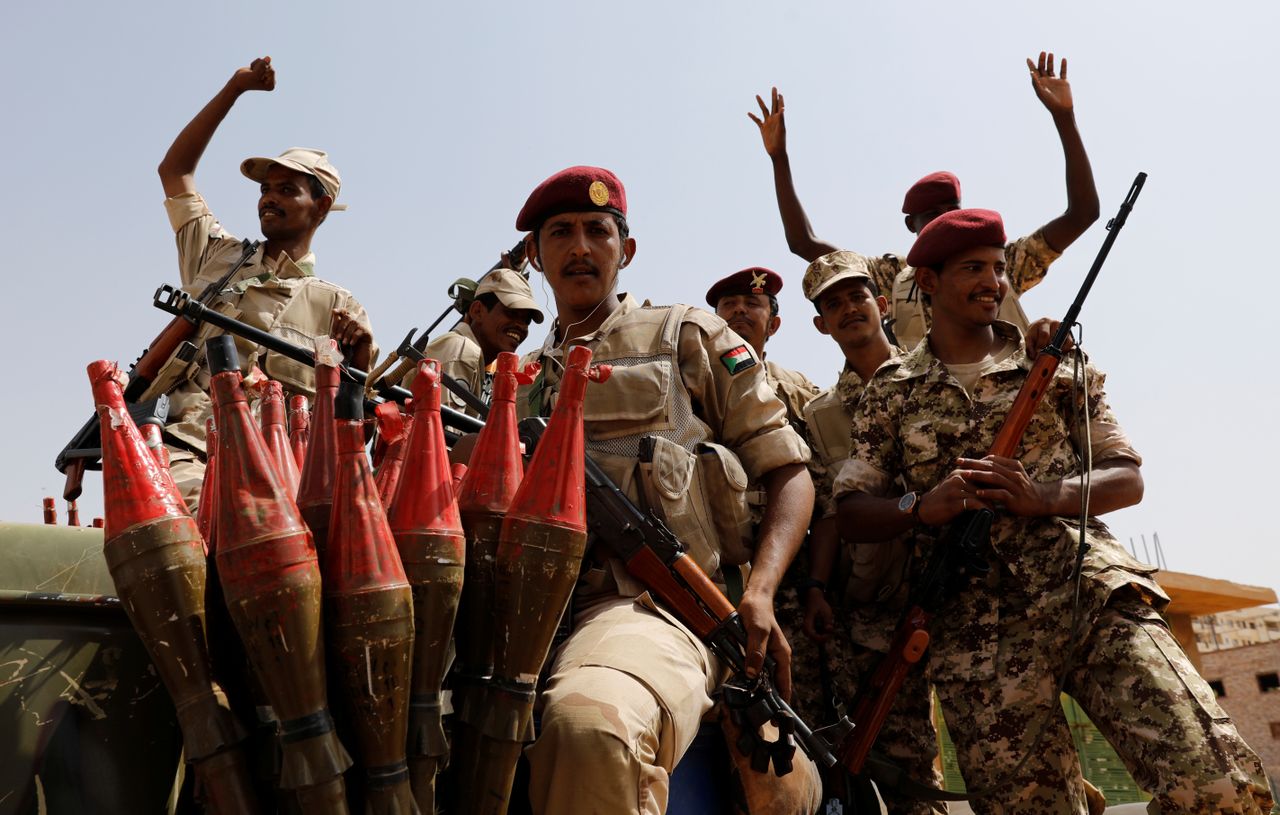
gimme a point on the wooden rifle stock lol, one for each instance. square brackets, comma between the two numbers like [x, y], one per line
[952, 559]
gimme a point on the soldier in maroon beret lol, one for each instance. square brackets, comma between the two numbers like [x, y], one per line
[1002, 649]
[1028, 258]
[748, 302]
[628, 674]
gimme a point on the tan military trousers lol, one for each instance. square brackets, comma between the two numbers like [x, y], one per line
[624, 701]
[1135, 683]
[188, 473]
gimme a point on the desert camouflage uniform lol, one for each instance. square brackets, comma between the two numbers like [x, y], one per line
[1027, 261]
[461, 358]
[864, 630]
[629, 688]
[999, 645]
[279, 295]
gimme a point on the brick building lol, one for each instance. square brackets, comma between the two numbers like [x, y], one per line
[1247, 681]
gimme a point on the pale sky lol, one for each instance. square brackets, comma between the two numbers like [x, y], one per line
[441, 120]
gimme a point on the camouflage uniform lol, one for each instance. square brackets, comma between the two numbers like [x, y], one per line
[279, 295]
[999, 645]
[864, 629]
[1027, 261]
[629, 688]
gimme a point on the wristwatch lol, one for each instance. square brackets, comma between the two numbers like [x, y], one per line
[909, 504]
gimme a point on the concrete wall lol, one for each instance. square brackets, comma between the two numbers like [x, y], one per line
[1256, 713]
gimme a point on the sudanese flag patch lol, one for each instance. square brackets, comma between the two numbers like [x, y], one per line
[738, 360]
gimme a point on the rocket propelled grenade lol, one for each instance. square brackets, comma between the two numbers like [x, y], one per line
[393, 427]
[271, 580]
[428, 530]
[153, 435]
[156, 557]
[485, 491]
[369, 617]
[299, 429]
[315, 488]
[544, 536]
[206, 510]
[277, 436]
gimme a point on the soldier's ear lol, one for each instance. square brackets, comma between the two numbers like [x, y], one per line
[821, 324]
[531, 252]
[775, 322]
[926, 279]
[628, 251]
[883, 305]
[909, 220]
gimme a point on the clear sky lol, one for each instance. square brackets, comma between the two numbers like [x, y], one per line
[442, 117]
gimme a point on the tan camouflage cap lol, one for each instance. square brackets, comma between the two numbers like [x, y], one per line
[830, 269]
[511, 289]
[303, 159]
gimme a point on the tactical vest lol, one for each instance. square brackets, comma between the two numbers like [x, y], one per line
[697, 486]
[305, 315]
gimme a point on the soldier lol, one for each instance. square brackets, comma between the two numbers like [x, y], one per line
[497, 320]
[274, 288]
[869, 591]
[1027, 259]
[1004, 644]
[748, 302]
[629, 687]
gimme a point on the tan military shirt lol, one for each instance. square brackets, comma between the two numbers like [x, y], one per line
[1027, 260]
[709, 387]
[915, 419]
[460, 357]
[279, 295]
[793, 388]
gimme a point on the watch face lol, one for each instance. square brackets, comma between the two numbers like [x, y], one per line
[908, 501]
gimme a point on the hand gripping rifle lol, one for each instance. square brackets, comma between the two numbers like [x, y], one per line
[650, 551]
[85, 448]
[958, 557]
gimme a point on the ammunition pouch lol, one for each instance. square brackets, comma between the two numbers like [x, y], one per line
[730, 501]
[702, 497]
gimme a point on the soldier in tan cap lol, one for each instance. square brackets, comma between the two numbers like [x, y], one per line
[273, 286]
[851, 596]
[630, 686]
[1027, 259]
[497, 320]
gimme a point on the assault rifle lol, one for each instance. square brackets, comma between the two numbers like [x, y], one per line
[85, 448]
[958, 556]
[650, 551]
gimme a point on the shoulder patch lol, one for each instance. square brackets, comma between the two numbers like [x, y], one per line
[738, 360]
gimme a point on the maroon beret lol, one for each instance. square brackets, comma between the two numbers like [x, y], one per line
[755, 280]
[953, 232]
[577, 189]
[933, 190]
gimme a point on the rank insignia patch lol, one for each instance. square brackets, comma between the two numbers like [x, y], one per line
[738, 360]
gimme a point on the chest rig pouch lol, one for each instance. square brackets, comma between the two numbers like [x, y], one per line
[641, 428]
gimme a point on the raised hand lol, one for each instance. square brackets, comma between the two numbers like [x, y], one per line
[259, 76]
[773, 125]
[1054, 91]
